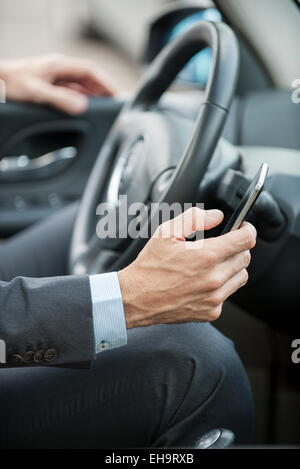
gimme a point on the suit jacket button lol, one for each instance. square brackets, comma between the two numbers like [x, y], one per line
[39, 356]
[50, 355]
[16, 359]
[28, 358]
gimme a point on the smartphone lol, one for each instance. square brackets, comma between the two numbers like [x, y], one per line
[248, 200]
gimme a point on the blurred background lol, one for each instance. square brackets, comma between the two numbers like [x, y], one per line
[103, 30]
[113, 32]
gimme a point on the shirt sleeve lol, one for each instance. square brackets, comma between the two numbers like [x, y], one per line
[108, 312]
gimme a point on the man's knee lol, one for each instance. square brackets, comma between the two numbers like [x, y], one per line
[186, 349]
[205, 368]
[219, 393]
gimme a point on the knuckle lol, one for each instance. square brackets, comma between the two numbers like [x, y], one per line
[245, 277]
[247, 258]
[250, 241]
[250, 237]
[159, 232]
[214, 282]
[192, 213]
[193, 210]
[215, 300]
[209, 257]
[215, 313]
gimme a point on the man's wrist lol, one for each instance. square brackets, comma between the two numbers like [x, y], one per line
[130, 292]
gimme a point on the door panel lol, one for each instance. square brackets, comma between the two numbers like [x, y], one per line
[46, 158]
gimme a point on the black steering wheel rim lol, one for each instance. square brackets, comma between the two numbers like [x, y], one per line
[191, 169]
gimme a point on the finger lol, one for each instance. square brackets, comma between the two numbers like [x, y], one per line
[234, 242]
[234, 265]
[228, 269]
[191, 221]
[83, 88]
[86, 72]
[77, 87]
[64, 99]
[106, 88]
[236, 282]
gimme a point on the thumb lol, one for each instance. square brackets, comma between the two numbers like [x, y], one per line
[65, 99]
[191, 221]
[213, 218]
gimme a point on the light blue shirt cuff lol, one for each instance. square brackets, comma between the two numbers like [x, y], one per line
[108, 312]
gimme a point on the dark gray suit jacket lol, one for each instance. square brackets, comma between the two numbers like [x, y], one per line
[46, 321]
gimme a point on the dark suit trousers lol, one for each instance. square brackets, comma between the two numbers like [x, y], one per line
[168, 386]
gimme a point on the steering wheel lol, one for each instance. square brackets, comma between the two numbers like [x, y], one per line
[144, 158]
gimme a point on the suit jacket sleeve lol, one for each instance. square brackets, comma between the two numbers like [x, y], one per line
[46, 321]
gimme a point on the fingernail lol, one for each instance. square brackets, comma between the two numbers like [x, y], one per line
[214, 213]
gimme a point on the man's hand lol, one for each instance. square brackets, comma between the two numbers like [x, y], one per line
[177, 281]
[55, 80]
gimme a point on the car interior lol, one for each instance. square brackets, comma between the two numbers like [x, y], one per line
[215, 101]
